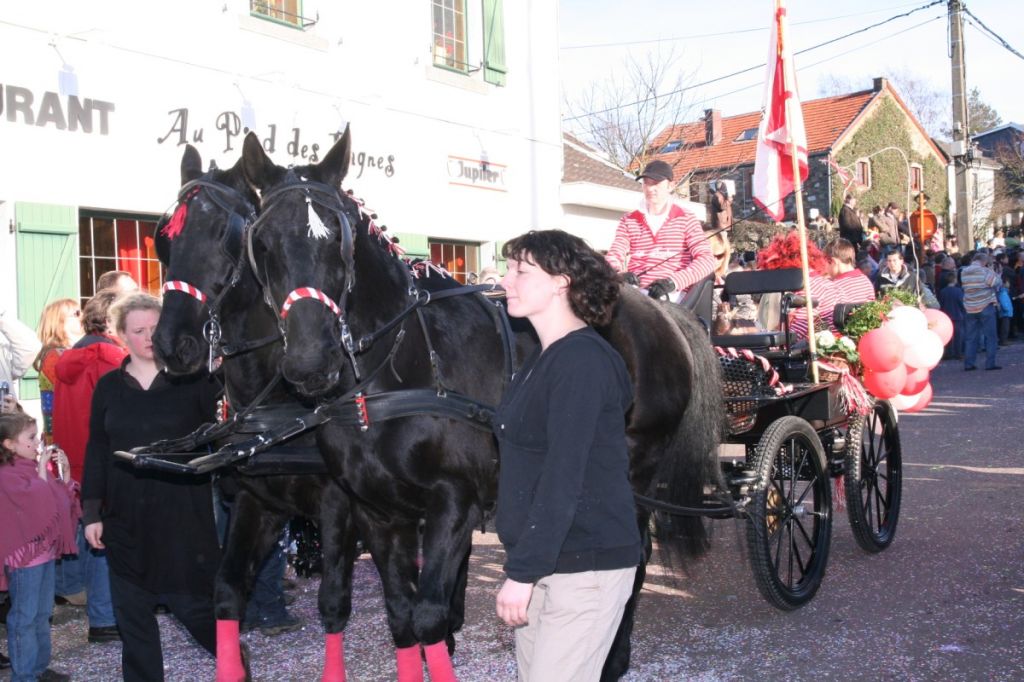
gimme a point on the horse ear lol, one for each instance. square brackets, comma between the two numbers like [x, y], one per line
[259, 169]
[334, 167]
[191, 164]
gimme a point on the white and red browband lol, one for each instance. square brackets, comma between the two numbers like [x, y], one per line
[309, 292]
[184, 287]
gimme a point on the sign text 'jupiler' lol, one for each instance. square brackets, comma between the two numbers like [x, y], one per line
[230, 129]
[69, 113]
[476, 173]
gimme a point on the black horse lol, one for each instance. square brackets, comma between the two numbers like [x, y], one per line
[213, 306]
[361, 338]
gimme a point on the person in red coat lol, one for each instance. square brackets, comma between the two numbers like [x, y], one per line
[85, 577]
[77, 371]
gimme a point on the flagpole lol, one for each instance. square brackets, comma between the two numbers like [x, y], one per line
[798, 196]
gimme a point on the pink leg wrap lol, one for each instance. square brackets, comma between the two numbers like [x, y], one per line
[334, 658]
[410, 665]
[229, 652]
[439, 663]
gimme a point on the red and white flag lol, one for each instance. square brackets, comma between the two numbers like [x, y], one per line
[782, 126]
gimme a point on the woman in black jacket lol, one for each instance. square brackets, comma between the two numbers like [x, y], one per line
[157, 528]
[565, 508]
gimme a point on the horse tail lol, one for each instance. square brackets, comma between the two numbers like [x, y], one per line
[689, 466]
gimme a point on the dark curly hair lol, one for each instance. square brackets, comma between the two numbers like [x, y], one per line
[593, 284]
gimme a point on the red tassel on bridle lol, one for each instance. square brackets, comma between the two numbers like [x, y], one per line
[176, 224]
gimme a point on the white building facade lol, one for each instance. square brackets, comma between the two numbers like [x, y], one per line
[453, 107]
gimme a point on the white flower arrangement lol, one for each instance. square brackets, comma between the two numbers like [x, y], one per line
[829, 343]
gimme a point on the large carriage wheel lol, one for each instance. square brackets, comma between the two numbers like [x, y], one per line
[790, 513]
[874, 479]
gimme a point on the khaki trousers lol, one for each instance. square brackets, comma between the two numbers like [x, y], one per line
[573, 619]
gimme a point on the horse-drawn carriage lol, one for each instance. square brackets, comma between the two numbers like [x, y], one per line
[360, 398]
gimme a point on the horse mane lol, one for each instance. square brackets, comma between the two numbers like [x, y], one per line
[425, 273]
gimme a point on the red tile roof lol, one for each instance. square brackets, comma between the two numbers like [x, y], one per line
[824, 119]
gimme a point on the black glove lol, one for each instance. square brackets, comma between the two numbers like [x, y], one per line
[661, 288]
[631, 279]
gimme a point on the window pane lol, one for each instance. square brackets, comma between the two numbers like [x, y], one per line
[86, 277]
[103, 237]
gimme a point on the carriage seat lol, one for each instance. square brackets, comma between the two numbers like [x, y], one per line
[759, 282]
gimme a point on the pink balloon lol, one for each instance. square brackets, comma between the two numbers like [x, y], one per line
[904, 402]
[923, 399]
[940, 323]
[926, 351]
[880, 350]
[917, 379]
[885, 385]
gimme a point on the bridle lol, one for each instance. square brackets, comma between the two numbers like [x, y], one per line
[316, 195]
[241, 216]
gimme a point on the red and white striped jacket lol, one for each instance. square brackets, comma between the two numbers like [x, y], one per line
[679, 251]
[823, 294]
[853, 287]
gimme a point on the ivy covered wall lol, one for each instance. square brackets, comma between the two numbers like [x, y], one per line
[888, 126]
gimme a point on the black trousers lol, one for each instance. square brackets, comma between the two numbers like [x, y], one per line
[141, 656]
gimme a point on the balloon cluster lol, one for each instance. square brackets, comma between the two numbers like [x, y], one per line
[898, 356]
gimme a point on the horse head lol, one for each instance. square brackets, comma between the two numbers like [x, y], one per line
[201, 245]
[301, 250]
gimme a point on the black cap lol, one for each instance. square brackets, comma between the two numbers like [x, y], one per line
[657, 170]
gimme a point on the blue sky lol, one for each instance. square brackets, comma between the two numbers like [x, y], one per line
[902, 44]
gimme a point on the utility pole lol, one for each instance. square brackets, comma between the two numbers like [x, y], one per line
[961, 140]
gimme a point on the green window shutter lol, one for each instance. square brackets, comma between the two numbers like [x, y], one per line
[414, 245]
[494, 43]
[47, 265]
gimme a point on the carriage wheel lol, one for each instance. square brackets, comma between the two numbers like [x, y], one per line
[790, 514]
[874, 479]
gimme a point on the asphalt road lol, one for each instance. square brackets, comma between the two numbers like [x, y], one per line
[944, 602]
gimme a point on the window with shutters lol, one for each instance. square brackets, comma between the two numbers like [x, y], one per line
[450, 34]
[916, 177]
[862, 173]
[468, 37]
[287, 12]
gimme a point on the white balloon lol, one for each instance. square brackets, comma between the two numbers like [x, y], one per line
[909, 315]
[907, 329]
[925, 352]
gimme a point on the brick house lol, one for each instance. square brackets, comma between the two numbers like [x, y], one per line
[851, 129]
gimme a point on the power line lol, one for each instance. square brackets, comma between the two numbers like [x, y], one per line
[837, 55]
[738, 31]
[755, 68]
[992, 33]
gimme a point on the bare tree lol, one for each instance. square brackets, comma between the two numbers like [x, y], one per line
[1012, 175]
[928, 103]
[622, 115]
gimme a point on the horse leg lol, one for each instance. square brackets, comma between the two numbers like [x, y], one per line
[617, 663]
[252, 534]
[451, 515]
[338, 541]
[394, 545]
[457, 614]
